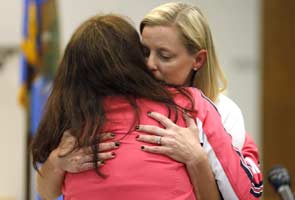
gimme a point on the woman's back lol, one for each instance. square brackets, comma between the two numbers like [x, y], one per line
[134, 174]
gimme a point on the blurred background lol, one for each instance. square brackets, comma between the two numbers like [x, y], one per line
[255, 41]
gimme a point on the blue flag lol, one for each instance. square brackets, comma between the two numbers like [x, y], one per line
[39, 59]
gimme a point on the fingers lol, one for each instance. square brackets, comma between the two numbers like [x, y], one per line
[86, 162]
[88, 166]
[67, 144]
[156, 149]
[190, 122]
[81, 162]
[151, 139]
[101, 156]
[106, 156]
[152, 129]
[106, 136]
[68, 141]
[165, 121]
[104, 146]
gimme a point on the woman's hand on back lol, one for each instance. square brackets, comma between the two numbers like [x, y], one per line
[67, 158]
[178, 143]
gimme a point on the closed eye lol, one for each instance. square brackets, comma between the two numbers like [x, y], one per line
[164, 56]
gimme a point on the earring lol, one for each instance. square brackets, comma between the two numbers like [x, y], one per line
[195, 69]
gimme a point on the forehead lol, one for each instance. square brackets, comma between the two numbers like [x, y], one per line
[161, 37]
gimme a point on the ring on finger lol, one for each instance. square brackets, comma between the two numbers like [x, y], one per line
[159, 140]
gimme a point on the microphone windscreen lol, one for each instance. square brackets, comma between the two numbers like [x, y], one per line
[279, 176]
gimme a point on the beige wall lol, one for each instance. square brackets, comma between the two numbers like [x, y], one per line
[11, 115]
[12, 134]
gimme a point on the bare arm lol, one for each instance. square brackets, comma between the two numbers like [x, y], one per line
[199, 170]
[203, 180]
[50, 179]
[51, 176]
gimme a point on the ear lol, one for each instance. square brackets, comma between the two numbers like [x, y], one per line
[200, 59]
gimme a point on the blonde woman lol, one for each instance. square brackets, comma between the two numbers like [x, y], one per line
[169, 32]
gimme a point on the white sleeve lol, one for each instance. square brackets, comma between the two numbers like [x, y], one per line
[232, 120]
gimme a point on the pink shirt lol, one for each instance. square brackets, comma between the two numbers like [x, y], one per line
[138, 175]
[133, 174]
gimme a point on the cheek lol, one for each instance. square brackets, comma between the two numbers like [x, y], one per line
[176, 75]
[166, 70]
[169, 70]
[171, 75]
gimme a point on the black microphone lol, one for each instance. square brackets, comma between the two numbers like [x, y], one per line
[279, 178]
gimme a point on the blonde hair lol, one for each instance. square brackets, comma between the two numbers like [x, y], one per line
[195, 35]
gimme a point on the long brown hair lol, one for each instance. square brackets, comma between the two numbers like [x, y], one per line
[103, 58]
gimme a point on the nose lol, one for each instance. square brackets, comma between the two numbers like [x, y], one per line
[151, 62]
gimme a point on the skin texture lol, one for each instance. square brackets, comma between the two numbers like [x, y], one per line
[77, 161]
[184, 144]
[166, 57]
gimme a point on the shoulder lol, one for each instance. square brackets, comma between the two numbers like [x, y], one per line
[228, 108]
[225, 104]
[232, 119]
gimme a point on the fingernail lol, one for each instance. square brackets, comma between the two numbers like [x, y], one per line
[137, 137]
[113, 154]
[149, 112]
[137, 127]
[117, 144]
[113, 134]
[102, 162]
[142, 147]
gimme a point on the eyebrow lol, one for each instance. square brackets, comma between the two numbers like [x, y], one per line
[161, 49]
